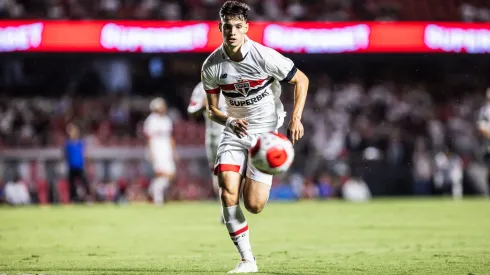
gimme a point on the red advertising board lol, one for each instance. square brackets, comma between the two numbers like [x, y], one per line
[198, 36]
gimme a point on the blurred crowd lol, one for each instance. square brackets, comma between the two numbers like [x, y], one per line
[384, 125]
[348, 115]
[275, 10]
[349, 123]
[105, 121]
[372, 127]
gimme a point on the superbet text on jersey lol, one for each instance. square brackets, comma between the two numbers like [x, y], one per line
[250, 87]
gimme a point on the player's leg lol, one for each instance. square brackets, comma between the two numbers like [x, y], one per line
[164, 168]
[72, 183]
[229, 169]
[157, 188]
[256, 189]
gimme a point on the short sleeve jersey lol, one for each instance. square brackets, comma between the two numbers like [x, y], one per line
[159, 129]
[247, 86]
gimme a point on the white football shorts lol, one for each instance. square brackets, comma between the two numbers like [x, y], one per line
[163, 164]
[233, 155]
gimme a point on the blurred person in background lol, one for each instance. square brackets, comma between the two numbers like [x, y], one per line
[422, 168]
[355, 189]
[483, 126]
[197, 107]
[448, 175]
[158, 129]
[16, 192]
[74, 152]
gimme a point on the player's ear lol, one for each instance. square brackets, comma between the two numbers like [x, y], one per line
[246, 27]
[220, 26]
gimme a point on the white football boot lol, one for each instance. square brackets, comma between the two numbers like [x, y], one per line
[245, 266]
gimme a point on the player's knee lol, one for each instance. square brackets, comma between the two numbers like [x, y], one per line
[228, 198]
[229, 185]
[254, 207]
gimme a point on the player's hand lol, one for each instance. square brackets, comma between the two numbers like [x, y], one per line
[239, 127]
[295, 130]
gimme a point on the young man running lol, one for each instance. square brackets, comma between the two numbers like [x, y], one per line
[247, 74]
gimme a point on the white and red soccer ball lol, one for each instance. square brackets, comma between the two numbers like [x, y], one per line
[272, 153]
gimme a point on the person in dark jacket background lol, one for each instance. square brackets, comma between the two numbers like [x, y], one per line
[74, 151]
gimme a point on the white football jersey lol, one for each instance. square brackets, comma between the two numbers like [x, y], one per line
[197, 103]
[250, 87]
[159, 129]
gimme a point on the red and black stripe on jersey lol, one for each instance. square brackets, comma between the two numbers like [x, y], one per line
[256, 86]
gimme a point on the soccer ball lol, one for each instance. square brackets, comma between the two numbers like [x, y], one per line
[272, 153]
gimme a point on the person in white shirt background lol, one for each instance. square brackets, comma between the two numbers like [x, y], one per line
[158, 129]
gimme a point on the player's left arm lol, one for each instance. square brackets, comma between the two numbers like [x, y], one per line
[295, 127]
[284, 70]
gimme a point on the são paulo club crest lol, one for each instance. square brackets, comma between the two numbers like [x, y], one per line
[242, 86]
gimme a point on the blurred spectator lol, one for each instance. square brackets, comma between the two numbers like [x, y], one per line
[356, 190]
[471, 12]
[448, 176]
[74, 151]
[282, 10]
[370, 114]
[16, 192]
[423, 168]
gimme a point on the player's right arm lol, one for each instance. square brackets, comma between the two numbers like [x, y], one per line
[239, 126]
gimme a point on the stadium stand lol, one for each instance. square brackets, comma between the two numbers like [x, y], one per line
[410, 111]
[280, 10]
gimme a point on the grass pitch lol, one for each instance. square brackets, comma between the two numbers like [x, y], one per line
[382, 237]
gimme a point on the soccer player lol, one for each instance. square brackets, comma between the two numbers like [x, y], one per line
[158, 130]
[247, 74]
[197, 107]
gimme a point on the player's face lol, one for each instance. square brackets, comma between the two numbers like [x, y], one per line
[233, 31]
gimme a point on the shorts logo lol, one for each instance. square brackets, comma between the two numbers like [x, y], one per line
[242, 87]
[223, 76]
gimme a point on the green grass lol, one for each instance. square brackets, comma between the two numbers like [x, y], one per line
[383, 237]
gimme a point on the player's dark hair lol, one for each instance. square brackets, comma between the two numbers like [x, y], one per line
[234, 9]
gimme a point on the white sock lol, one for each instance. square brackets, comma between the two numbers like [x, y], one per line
[238, 228]
[157, 190]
